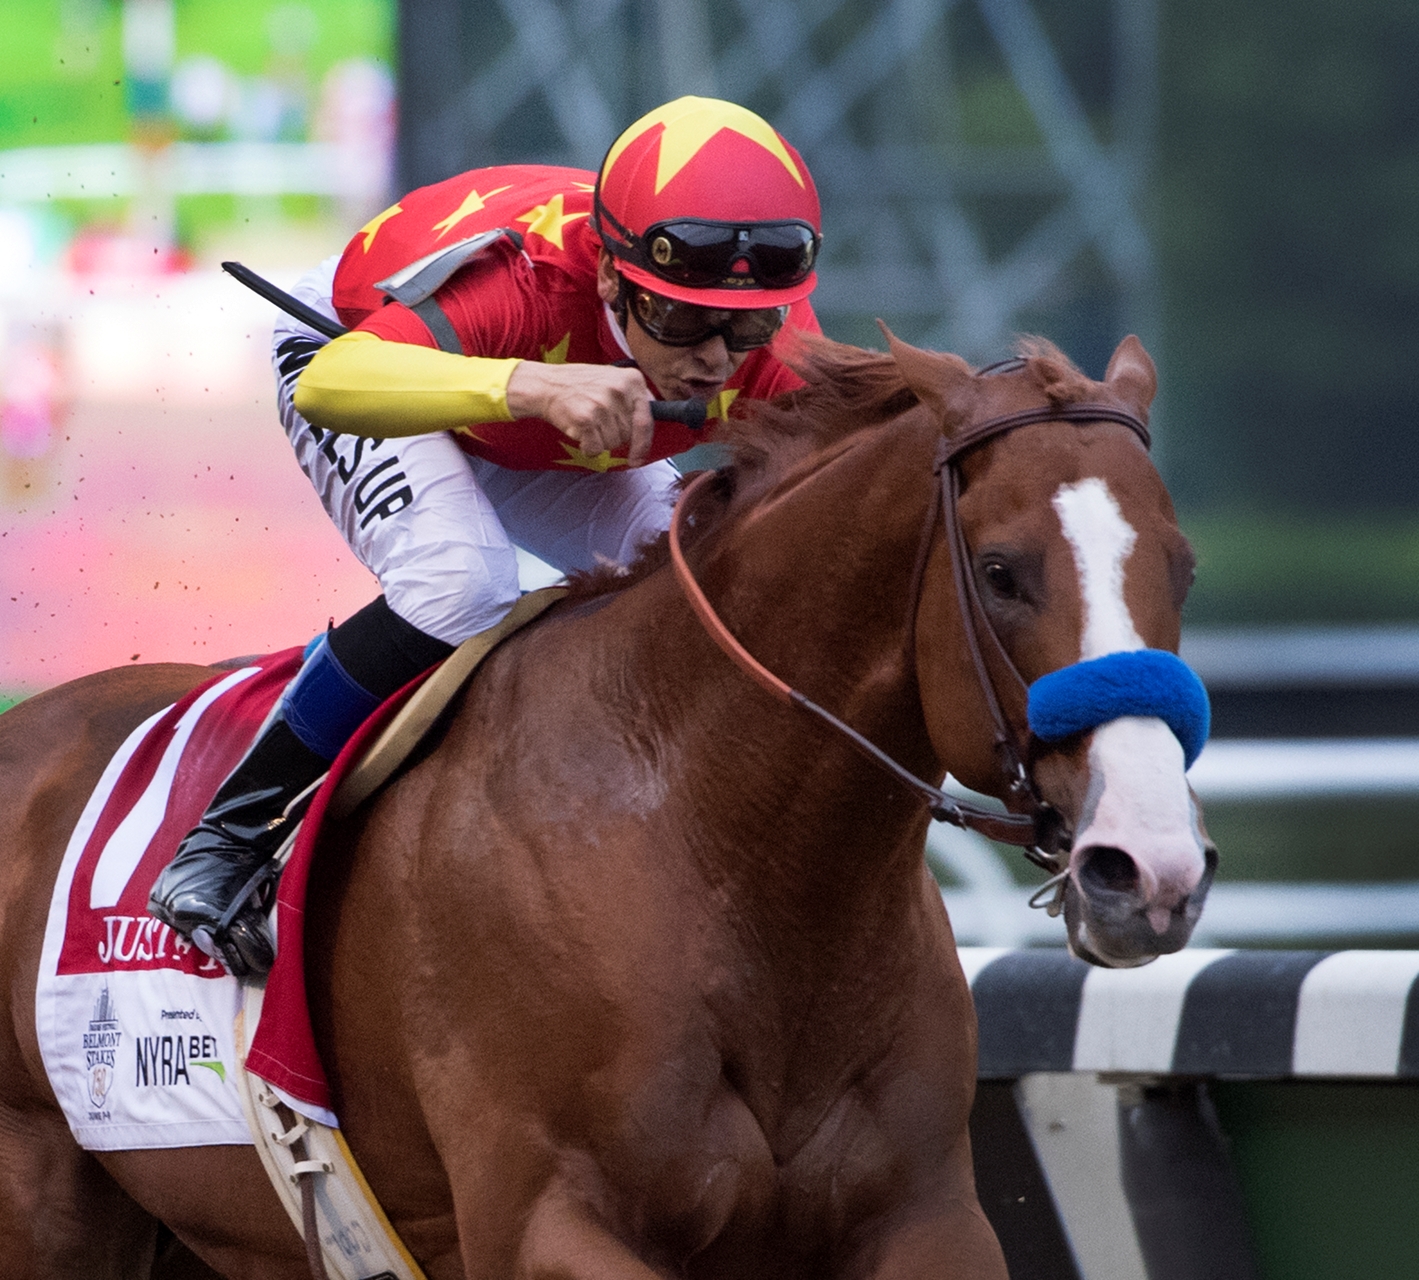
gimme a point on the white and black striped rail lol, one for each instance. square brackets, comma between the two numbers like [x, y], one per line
[1098, 1153]
[1235, 1014]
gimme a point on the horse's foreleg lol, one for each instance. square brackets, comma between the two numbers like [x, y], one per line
[563, 1241]
[953, 1242]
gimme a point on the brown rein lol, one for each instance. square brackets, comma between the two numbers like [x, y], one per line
[1040, 833]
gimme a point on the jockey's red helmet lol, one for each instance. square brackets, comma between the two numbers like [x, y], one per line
[703, 201]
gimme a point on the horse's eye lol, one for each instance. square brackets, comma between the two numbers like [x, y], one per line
[1001, 580]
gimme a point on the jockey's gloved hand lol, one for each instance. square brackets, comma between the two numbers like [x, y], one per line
[602, 407]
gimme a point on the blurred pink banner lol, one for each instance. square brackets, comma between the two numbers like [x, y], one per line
[166, 532]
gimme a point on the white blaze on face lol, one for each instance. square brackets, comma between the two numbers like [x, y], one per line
[1138, 799]
[1101, 540]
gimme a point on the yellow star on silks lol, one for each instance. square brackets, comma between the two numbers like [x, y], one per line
[584, 186]
[472, 202]
[558, 354]
[718, 407]
[468, 431]
[547, 220]
[602, 461]
[371, 228]
[689, 124]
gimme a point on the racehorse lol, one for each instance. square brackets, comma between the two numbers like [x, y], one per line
[636, 970]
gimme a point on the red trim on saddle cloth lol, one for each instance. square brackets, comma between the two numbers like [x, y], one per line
[283, 1049]
[158, 797]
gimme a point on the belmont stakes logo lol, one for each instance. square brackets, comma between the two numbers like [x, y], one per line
[101, 1052]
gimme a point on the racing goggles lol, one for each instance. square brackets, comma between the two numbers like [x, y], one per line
[724, 255]
[686, 324]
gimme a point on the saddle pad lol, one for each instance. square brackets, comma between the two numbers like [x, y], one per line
[135, 1023]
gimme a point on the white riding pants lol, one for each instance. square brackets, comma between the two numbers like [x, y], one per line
[437, 526]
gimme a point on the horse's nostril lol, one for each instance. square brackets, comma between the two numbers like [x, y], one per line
[1104, 867]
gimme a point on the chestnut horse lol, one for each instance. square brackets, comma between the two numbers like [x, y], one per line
[636, 972]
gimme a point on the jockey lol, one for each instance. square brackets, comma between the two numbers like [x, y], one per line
[509, 330]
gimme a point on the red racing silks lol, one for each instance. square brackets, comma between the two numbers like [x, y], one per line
[549, 207]
[536, 303]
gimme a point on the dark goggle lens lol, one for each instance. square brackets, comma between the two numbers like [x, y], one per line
[764, 255]
[683, 324]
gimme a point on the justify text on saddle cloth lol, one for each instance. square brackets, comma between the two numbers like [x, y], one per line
[436, 525]
[135, 1023]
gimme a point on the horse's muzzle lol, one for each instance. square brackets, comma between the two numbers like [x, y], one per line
[1112, 921]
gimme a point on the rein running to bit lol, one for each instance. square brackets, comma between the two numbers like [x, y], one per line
[1059, 705]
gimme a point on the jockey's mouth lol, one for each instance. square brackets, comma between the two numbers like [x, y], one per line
[700, 388]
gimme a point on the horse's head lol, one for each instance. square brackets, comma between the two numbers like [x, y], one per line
[1076, 571]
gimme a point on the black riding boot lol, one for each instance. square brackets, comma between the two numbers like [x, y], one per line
[217, 871]
[214, 891]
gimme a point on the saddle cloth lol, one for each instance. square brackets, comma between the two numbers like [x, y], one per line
[135, 1024]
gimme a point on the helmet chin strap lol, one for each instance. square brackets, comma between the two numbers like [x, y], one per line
[623, 301]
[620, 312]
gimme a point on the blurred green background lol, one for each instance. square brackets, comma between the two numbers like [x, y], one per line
[1286, 208]
[1283, 205]
[236, 72]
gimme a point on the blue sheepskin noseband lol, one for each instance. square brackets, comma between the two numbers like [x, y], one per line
[1135, 682]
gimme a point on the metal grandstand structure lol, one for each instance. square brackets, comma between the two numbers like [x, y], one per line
[983, 167]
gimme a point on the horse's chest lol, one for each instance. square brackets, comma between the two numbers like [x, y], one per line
[716, 1183]
[748, 1126]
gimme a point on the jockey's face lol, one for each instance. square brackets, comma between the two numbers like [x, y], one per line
[676, 373]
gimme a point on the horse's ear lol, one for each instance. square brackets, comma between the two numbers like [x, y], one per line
[940, 380]
[1132, 375]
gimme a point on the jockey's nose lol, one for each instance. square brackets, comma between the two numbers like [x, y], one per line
[713, 355]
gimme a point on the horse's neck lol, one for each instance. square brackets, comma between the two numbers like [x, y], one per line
[816, 582]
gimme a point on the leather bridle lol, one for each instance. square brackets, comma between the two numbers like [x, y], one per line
[1041, 831]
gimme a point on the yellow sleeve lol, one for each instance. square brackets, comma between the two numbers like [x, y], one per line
[361, 385]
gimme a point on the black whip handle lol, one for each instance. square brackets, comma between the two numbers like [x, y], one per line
[291, 306]
[690, 412]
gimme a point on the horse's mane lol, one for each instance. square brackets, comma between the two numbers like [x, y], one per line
[849, 389]
[846, 389]
[1059, 379]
